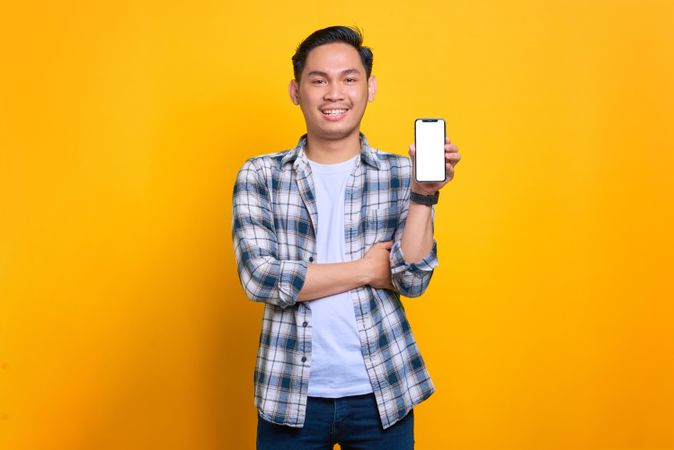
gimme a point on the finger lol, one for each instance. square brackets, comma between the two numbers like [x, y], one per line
[412, 150]
[449, 173]
[453, 158]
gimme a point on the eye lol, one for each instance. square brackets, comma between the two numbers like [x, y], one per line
[351, 80]
[317, 81]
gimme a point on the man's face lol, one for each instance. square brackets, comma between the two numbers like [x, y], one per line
[333, 91]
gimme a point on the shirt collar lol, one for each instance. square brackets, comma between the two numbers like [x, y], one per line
[367, 153]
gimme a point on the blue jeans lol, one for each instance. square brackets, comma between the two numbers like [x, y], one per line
[352, 422]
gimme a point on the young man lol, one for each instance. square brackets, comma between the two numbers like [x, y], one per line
[328, 235]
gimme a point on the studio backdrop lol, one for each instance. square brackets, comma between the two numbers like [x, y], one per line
[549, 322]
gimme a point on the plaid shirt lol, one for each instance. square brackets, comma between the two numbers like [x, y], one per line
[274, 233]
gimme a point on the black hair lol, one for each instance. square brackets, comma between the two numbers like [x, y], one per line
[349, 35]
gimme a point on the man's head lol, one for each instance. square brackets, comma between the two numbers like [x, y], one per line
[333, 81]
[351, 36]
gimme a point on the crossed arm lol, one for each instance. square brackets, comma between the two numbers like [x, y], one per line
[404, 266]
[374, 269]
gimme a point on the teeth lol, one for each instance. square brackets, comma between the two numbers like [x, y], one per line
[333, 112]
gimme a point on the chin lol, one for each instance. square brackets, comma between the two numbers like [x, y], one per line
[335, 134]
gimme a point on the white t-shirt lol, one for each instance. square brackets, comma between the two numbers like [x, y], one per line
[337, 367]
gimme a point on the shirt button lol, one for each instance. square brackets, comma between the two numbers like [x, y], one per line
[304, 358]
[305, 324]
[311, 259]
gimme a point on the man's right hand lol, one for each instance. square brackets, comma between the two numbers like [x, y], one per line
[377, 263]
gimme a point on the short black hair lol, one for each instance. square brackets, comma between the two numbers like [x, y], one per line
[349, 35]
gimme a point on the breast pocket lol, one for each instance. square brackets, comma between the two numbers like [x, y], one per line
[380, 225]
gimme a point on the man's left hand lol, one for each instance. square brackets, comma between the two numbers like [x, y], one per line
[452, 158]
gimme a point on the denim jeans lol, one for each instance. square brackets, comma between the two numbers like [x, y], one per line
[353, 422]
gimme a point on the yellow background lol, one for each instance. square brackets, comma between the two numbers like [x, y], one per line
[549, 323]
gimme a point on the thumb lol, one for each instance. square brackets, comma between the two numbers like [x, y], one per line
[412, 152]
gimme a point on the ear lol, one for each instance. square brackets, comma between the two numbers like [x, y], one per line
[293, 91]
[371, 88]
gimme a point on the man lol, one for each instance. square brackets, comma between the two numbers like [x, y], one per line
[326, 236]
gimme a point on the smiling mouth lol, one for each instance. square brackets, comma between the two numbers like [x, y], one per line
[333, 111]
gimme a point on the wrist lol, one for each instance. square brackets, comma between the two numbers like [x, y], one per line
[422, 190]
[362, 274]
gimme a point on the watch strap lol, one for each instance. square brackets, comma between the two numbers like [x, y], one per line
[427, 200]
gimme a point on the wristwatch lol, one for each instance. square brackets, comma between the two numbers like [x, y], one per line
[427, 200]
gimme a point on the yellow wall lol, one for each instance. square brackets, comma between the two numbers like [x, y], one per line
[549, 323]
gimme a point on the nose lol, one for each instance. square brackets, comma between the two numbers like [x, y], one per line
[333, 93]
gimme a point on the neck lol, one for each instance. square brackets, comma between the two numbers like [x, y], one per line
[328, 151]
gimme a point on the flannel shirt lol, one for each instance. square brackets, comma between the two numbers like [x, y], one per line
[274, 228]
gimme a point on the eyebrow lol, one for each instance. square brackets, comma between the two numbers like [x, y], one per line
[324, 74]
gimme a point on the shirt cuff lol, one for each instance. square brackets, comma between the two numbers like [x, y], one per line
[398, 263]
[292, 275]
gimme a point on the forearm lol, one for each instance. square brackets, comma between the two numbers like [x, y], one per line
[417, 238]
[330, 279]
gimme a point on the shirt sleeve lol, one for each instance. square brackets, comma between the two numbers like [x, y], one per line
[263, 276]
[410, 279]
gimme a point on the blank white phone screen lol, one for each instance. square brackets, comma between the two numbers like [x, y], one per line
[429, 136]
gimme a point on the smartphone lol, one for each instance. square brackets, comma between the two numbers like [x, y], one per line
[429, 141]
